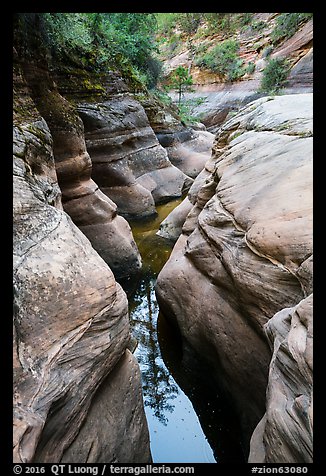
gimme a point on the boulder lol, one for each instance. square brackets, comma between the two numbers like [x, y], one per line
[244, 252]
[223, 100]
[71, 326]
[190, 156]
[171, 226]
[184, 216]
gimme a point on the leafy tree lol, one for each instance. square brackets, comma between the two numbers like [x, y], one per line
[187, 110]
[181, 81]
[219, 21]
[189, 22]
[166, 22]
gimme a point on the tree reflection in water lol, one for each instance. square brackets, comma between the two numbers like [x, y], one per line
[159, 388]
[164, 381]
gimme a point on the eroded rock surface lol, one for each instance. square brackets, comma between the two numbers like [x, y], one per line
[202, 189]
[90, 209]
[189, 147]
[93, 212]
[129, 164]
[71, 326]
[190, 156]
[244, 251]
[220, 98]
[285, 433]
[126, 444]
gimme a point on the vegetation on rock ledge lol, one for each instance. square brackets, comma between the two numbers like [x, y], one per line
[99, 41]
[274, 75]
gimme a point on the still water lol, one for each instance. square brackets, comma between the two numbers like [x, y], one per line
[188, 422]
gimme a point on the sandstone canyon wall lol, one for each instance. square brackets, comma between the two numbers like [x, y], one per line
[238, 283]
[90, 209]
[130, 164]
[244, 255]
[70, 326]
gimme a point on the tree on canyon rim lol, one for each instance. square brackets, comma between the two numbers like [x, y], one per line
[181, 81]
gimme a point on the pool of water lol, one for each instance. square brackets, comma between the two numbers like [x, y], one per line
[188, 422]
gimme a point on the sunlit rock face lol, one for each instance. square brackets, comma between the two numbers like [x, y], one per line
[129, 164]
[71, 327]
[245, 248]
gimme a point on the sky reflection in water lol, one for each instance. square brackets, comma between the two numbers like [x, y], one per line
[175, 431]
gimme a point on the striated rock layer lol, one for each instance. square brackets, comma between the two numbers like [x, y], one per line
[245, 249]
[119, 437]
[188, 148]
[90, 209]
[220, 98]
[93, 212]
[71, 327]
[129, 164]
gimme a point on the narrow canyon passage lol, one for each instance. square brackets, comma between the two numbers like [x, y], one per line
[189, 422]
[163, 248]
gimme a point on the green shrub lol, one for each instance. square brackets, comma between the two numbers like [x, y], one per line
[287, 24]
[153, 71]
[257, 46]
[174, 43]
[258, 25]
[274, 75]
[202, 48]
[186, 110]
[245, 18]
[223, 59]
[250, 68]
[181, 81]
[162, 96]
[215, 22]
[188, 22]
[102, 40]
[166, 23]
